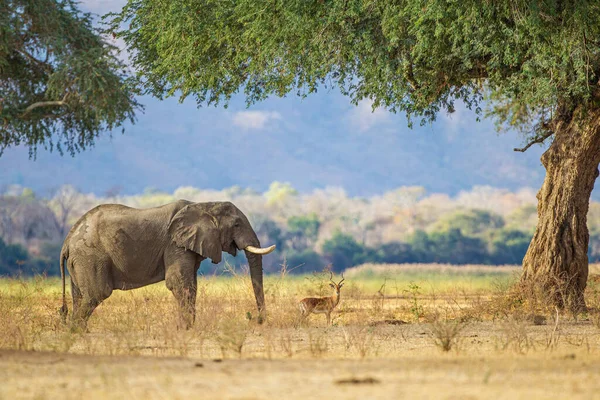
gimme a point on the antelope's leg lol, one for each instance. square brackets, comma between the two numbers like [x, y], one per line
[303, 314]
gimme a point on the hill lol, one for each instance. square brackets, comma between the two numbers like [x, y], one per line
[312, 143]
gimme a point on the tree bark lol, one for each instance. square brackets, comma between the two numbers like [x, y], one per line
[556, 261]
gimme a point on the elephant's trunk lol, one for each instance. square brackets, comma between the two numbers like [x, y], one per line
[256, 274]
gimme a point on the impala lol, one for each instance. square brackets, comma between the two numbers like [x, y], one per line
[321, 305]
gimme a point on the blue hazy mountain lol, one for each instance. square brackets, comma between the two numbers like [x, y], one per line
[316, 142]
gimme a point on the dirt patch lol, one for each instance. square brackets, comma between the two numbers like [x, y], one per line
[45, 375]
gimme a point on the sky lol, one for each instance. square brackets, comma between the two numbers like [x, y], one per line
[316, 142]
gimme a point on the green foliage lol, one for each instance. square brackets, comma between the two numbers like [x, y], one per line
[303, 231]
[27, 195]
[421, 245]
[471, 222]
[505, 246]
[12, 257]
[395, 253]
[509, 246]
[416, 308]
[451, 247]
[50, 252]
[279, 192]
[304, 261]
[15, 260]
[343, 251]
[524, 218]
[61, 83]
[534, 60]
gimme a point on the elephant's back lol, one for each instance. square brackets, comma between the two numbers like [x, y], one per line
[118, 208]
[90, 221]
[112, 218]
[112, 208]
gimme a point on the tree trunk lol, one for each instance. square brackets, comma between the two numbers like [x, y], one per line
[556, 262]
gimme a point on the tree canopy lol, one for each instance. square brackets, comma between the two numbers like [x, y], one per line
[532, 64]
[531, 60]
[61, 82]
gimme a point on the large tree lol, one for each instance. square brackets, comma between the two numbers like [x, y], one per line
[61, 82]
[534, 65]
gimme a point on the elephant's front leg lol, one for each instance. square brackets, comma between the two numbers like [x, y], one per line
[181, 280]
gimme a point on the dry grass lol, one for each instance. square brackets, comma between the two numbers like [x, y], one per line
[378, 318]
[446, 333]
[144, 321]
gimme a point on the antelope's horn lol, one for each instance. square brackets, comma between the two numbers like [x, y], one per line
[260, 250]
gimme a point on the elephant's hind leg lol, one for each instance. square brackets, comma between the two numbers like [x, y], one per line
[87, 306]
[76, 294]
[90, 288]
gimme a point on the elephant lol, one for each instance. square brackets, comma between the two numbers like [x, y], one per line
[115, 247]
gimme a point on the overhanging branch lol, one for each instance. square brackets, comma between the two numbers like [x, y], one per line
[539, 139]
[54, 103]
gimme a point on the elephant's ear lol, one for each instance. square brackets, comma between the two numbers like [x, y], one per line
[194, 229]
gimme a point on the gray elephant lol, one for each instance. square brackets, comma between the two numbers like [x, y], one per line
[118, 247]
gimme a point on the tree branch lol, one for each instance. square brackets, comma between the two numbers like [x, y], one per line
[56, 103]
[409, 73]
[538, 139]
[43, 65]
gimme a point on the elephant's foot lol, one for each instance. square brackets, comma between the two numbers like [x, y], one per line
[185, 322]
[78, 326]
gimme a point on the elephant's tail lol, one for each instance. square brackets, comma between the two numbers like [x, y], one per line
[64, 254]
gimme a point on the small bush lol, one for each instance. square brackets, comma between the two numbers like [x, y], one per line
[446, 333]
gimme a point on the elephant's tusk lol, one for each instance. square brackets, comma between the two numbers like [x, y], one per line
[260, 250]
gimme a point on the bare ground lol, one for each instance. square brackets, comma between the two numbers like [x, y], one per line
[408, 364]
[67, 376]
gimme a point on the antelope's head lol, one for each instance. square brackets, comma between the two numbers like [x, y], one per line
[336, 286]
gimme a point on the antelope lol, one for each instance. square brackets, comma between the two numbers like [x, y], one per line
[321, 305]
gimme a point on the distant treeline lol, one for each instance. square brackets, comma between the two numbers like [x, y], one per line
[459, 243]
[341, 251]
[15, 260]
[405, 225]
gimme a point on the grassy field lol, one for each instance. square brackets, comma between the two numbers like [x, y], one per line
[421, 330]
